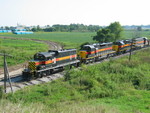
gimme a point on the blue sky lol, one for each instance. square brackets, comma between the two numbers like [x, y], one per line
[96, 12]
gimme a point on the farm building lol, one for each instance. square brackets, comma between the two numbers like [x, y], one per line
[5, 31]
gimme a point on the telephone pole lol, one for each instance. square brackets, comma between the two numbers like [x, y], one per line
[6, 72]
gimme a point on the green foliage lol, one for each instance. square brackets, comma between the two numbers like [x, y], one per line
[1, 92]
[110, 33]
[139, 28]
[116, 29]
[20, 50]
[104, 35]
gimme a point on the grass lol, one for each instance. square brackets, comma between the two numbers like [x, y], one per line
[21, 50]
[114, 86]
[71, 39]
[68, 39]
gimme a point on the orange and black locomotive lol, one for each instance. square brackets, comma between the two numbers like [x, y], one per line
[45, 62]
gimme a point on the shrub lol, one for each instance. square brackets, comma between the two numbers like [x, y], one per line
[1, 92]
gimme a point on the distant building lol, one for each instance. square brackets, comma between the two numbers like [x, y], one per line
[21, 29]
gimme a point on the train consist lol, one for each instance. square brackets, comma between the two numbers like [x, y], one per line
[44, 63]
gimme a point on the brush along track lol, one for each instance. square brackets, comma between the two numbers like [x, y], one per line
[18, 83]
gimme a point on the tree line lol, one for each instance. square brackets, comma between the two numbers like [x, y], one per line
[67, 28]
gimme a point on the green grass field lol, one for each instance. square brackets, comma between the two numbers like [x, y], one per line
[21, 50]
[117, 86]
[71, 39]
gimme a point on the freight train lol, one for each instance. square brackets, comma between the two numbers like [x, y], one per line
[44, 63]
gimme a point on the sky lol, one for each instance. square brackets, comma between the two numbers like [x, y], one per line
[88, 12]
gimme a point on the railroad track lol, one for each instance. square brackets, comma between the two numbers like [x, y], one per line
[18, 83]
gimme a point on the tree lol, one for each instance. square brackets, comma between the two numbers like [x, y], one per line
[104, 35]
[34, 29]
[116, 29]
[110, 33]
[139, 28]
[38, 28]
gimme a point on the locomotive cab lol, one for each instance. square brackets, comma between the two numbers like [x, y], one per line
[117, 45]
[87, 52]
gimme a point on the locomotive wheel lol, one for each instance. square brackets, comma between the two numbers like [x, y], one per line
[108, 56]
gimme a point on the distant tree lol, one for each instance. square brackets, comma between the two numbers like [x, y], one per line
[39, 29]
[139, 28]
[7, 28]
[50, 29]
[34, 29]
[116, 29]
[104, 35]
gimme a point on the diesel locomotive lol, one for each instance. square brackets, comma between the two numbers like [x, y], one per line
[44, 63]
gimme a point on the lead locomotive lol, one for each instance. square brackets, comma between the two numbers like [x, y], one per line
[44, 63]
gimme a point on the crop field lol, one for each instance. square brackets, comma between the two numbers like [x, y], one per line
[71, 39]
[68, 39]
[117, 86]
[21, 50]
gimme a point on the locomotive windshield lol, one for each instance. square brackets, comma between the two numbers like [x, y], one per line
[39, 57]
[86, 48]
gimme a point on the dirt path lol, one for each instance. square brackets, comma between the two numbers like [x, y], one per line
[20, 67]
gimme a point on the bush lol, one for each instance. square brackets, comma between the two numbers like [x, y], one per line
[1, 92]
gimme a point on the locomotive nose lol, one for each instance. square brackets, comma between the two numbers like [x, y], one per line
[82, 54]
[32, 65]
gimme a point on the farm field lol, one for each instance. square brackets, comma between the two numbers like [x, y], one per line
[71, 39]
[68, 39]
[21, 50]
[117, 86]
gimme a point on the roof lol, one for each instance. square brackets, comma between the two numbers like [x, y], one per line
[47, 54]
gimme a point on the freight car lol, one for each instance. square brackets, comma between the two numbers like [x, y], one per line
[44, 63]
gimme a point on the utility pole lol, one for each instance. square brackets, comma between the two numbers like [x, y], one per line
[130, 50]
[6, 72]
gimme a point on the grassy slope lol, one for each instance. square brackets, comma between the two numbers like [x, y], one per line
[116, 86]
